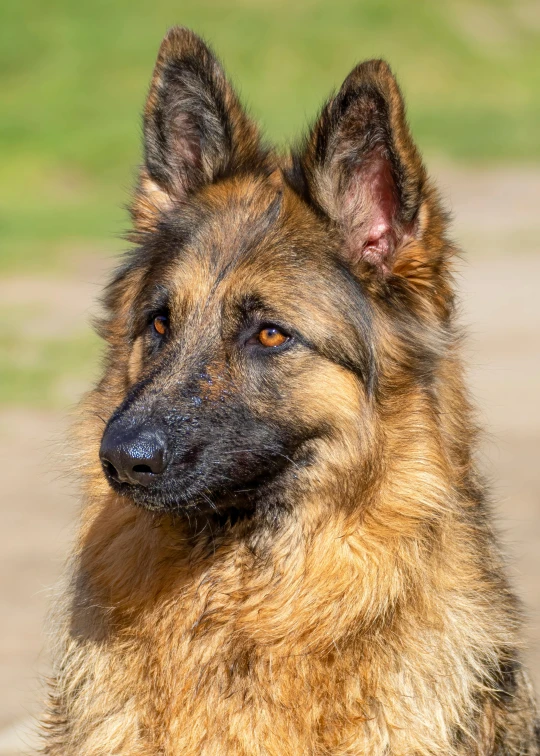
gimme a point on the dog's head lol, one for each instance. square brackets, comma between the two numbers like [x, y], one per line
[273, 309]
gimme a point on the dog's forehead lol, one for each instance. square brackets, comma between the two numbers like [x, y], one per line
[238, 216]
[247, 232]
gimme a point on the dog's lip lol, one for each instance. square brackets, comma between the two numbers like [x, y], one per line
[193, 498]
[148, 497]
[190, 494]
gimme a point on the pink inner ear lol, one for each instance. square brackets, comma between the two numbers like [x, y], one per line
[370, 207]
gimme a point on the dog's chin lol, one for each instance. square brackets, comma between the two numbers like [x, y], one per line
[196, 497]
[221, 504]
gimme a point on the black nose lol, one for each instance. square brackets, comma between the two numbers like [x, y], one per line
[136, 454]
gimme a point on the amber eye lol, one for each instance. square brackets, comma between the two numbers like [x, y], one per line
[271, 337]
[160, 324]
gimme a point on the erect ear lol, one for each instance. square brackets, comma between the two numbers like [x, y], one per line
[195, 130]
[361, 168]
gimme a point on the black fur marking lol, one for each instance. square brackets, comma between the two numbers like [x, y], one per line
[189, 128]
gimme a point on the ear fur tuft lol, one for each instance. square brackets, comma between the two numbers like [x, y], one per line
[195, 129]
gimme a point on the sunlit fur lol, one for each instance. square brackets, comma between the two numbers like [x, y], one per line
[362, 606]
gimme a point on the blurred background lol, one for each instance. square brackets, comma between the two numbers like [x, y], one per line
[73, 83]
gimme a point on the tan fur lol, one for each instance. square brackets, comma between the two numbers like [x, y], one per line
[374, 616]
[358, 632]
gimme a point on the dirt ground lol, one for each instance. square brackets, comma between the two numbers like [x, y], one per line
[497, 223]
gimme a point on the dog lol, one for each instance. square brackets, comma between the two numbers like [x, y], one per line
[286, 546]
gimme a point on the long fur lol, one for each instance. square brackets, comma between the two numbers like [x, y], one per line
[362, 607]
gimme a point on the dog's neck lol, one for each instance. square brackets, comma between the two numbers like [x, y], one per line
[332, 599]
[318, 606]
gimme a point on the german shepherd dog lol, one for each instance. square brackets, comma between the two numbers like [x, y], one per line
[286, 547]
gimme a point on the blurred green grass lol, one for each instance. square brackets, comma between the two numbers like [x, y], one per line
[47, 372]
[45, 359]
[73, 78]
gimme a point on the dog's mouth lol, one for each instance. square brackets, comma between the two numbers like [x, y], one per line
[219, 480]
[189, 503]
[198, 497]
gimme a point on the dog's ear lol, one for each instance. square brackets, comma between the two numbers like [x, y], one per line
[360, 167]
[195, 130]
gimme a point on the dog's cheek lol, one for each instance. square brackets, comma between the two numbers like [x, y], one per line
[331, 396]
[335, 402]
[323, 395]
[135, 362]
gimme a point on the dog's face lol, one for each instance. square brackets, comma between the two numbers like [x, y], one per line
[246, 329]
[248, 342]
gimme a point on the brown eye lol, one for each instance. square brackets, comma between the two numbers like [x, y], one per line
[271, 337]
[160, 325]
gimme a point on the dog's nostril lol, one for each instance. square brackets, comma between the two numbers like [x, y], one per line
[143, 469]
[110, 469]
